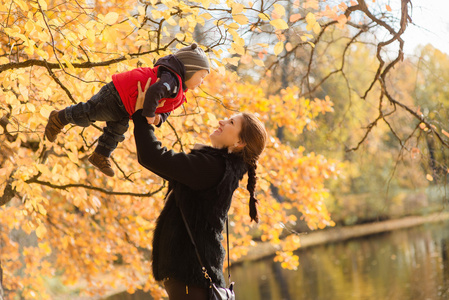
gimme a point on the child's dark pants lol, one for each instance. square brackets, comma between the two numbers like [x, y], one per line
[107, 106]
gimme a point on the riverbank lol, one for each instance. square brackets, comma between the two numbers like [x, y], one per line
[314, 238]
[338, 234]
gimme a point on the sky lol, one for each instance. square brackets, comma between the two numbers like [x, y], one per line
[432, 25]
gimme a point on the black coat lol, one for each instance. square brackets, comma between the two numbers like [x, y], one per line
[202, 183]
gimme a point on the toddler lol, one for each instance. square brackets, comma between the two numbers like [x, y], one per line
[170, 77]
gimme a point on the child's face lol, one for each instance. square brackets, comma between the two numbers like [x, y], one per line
[197, 79]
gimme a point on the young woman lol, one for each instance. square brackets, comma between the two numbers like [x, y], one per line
[201, 183]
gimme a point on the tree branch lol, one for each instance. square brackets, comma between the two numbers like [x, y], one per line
[84, 65]
[94, 188]
[8, 192]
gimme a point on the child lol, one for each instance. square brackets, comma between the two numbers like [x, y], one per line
[171, 77]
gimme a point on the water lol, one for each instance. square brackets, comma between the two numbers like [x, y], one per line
[407, 264]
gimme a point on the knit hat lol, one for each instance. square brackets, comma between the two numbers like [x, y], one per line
[193, 58]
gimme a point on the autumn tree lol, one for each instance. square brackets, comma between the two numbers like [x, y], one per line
[59, 216]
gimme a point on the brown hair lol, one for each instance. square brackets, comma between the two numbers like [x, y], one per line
[254, 136]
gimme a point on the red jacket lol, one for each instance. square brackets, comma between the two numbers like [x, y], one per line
[126, 85]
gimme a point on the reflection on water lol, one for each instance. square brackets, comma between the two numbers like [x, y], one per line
[400, 265]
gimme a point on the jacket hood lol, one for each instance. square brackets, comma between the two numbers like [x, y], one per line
[173, 64]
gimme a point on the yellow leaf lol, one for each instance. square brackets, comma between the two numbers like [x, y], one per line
[388, 7]
[91, 35]
[238, 40]
[43, 54]
[156, 14]
[41, 209]
[69, 64]
[206, 3]
[237, 8]
[29, 26]
[279, 24]
[206, 16]
[95, 202]
[171, 21]
[22, 4]
[231, 60]
[111, 18]
[222, 70]
[179, 36]
[43, 4]
[264, 17]
[41, 230]
[134, 21]
[45, 247]
[317, 28]
[24, 91]
[279, 9]
[429, 177]
[310, 19]
[31, 107]
[308, 35]
[45, 110]
[42, 168]
[259, 62]
[241, 19]
[73, 154]
[278, 48]
[232, 25]
[212, 120]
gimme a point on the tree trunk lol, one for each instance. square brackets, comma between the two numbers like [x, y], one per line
[1, 282]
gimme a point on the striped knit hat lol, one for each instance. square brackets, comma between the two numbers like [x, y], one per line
[193, 58]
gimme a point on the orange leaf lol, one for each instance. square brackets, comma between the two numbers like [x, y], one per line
[415, 152]
[295, 17]
[445, 132]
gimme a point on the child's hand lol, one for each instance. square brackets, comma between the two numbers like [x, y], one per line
[150, 120]
[154, 120]
[157, 119]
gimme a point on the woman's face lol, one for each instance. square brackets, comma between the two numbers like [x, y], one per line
[227, 134]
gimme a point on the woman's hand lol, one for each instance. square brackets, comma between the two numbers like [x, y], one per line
[141, 94]
[141, 99]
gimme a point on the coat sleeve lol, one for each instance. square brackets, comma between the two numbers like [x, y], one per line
[196, 170]
[164, 117]
[161, 89]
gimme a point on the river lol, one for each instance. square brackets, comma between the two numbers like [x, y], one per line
[405, 264]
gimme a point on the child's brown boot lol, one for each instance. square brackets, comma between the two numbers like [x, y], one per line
[102, 163]
[54, 126]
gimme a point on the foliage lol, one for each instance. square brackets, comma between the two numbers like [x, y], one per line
[60, 217]
[291, 62]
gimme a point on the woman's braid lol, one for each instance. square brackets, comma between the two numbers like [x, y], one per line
[254, 136]
[251, 187]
